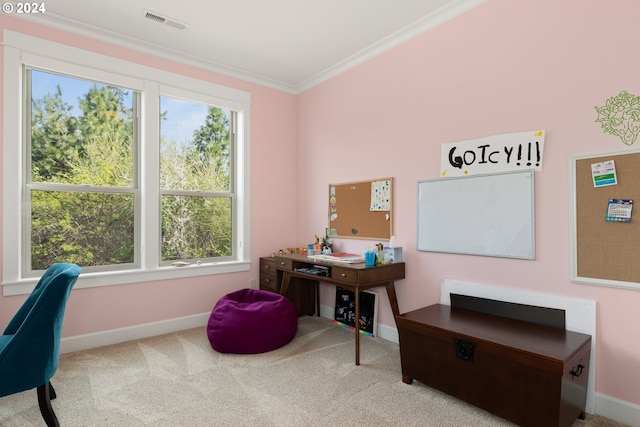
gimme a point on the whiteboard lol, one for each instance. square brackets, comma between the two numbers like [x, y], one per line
[488, 215]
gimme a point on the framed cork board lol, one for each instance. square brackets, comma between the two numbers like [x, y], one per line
[604, 248]
[361, 210]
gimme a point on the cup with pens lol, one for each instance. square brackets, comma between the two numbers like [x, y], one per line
[370, 258]
[372, 255]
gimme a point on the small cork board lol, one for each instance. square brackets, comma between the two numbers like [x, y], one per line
[361, 210]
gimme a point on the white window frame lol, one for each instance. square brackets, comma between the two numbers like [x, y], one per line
[21, 49]
[203, 99]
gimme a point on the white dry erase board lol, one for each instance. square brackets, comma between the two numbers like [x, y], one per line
[489, 215]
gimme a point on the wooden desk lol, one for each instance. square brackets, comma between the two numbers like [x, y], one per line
[353, 277]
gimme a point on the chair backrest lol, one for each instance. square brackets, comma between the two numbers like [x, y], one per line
[30, 345]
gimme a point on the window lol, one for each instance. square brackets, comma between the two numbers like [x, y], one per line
[79, 186]
[196, 171]
[125, 170]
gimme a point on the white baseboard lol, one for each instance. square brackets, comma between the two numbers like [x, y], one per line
[618, 410]
[115, 336]
[388, 333]
[606, 406]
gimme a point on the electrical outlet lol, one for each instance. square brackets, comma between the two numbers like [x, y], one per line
[252, 284]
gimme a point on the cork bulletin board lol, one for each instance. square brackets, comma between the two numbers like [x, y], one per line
[361, 210]
[606, 251]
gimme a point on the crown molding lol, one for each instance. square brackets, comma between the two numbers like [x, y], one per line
[445, 13]
[92, 32]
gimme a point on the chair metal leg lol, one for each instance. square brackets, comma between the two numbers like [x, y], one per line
[52, 392]
[44, 401]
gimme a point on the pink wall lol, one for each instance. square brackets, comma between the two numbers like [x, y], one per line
[273, 147]
[505, 66]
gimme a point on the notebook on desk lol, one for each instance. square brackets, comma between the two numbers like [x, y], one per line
[344, 257]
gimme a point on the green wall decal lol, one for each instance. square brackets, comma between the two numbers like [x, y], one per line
[621, 117]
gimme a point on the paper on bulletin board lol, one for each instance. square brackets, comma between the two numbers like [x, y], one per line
[619, 210]
[604, 174]
[380, 195]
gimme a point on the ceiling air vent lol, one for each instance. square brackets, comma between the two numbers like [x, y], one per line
[156, 17]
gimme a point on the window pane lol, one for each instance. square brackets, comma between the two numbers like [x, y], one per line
[195, 146]
[81, 131]
[195, 227]
[88, 229]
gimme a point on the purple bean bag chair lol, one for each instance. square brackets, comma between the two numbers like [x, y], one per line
[251, 321]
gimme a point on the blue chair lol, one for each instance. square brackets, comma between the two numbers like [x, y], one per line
[30, 345]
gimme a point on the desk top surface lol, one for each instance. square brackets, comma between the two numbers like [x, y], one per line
[303, 258]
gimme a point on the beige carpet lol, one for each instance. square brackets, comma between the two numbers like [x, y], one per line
[178, 380]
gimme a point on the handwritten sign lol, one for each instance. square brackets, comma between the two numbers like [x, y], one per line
[499, 153]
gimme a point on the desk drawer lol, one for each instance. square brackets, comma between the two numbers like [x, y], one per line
[269, 275]
[284, 264]
[348, 275]
[269, 283]
[267, 266]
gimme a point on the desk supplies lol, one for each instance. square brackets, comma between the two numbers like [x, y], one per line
[392, 254]
[343, 257]
[370, 258]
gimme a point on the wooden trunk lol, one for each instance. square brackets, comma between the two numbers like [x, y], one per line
[529, 374]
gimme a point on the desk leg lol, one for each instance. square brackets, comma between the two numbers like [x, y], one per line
[393, 299]
[284, 286]
[357, 325]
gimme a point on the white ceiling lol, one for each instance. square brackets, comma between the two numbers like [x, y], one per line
[290, 45]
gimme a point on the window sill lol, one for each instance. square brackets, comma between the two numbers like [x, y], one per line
[120, 277]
